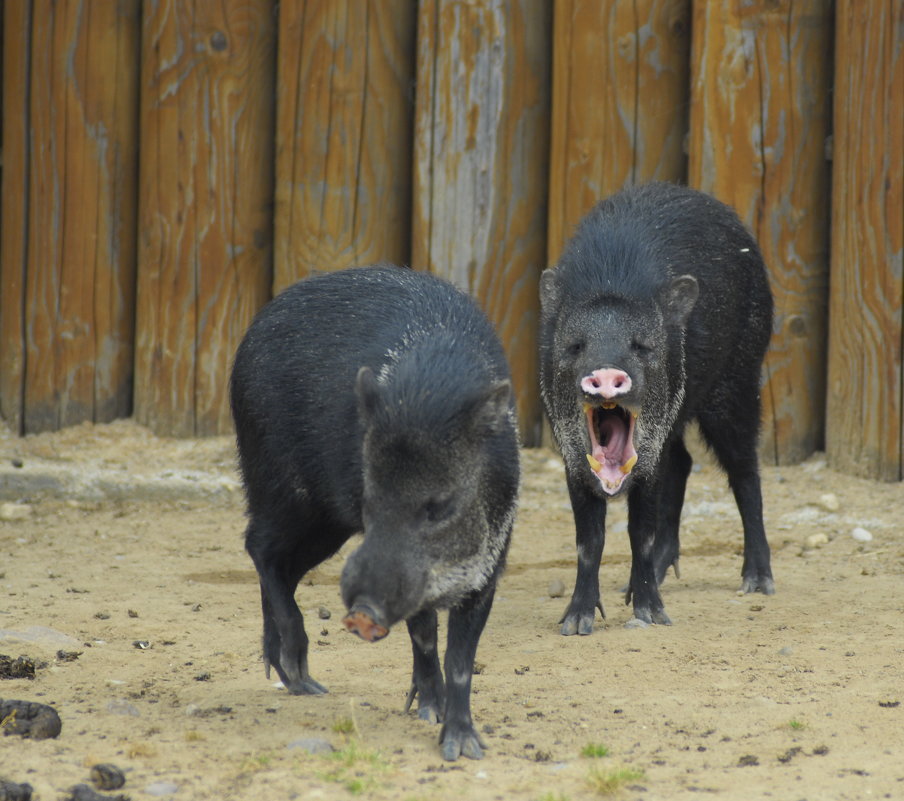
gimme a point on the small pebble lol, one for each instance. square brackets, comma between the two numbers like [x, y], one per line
[16, 462]
[786, 651]
[84, 792]
[11, 791]
[119, 706]
[636, 623]
[15, 511]
[829, 502]
[861, 534]
[324, 613]
[556, 588]
[161, 788]
[816, 540]
[107, 777]
[312, 745]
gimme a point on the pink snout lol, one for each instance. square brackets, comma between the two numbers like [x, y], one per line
[607, 383]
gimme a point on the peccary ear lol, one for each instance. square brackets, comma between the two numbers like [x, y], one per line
[678, 299]
[490, 411]
[368, 391]
[549, 290]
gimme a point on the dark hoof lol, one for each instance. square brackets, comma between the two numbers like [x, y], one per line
[305, 687]
[29, 719]
[579, 622]
[464, 742]
[649, 617]
[428, 713]
[763, 584]
[427, 709]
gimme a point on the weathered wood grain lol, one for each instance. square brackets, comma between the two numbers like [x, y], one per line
[69, 211]
[865, 410]
[760, 116]
[345, 106]
[206, 180]
[480, 166]
[619, 102]
[13, 212]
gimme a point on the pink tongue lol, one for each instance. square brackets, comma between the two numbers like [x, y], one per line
[614, 434]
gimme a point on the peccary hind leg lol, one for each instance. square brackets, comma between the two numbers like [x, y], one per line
[285, 640]
[676, 467]
[734, 442]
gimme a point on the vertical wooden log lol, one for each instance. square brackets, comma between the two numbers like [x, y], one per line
[206, 180]
[13, 211]
[480, 171]
[345, 106]
[865, 410]
[760, 115]
[69, 205]
[619, 102]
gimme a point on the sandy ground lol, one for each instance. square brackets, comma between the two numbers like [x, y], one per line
[794, 696]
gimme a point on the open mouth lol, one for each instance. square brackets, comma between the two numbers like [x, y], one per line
[612, 455]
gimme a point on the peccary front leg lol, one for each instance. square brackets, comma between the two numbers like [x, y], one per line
[643, 589]
[466, 621]
[590, 527]
[427, 678]
[285, 640]
[675, 467]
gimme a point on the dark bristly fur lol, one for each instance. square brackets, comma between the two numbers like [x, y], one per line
[664, 283]
[378, 400]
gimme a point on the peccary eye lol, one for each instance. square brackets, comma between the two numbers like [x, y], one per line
[641, 348]
[436, 510]
[575, 348]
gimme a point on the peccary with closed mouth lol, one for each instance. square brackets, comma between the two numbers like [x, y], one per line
[659, 312]
[378, 400]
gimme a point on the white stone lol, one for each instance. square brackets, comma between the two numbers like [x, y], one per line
[817, 540]
[861, 534]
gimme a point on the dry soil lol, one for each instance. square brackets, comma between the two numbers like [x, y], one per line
[793, 696]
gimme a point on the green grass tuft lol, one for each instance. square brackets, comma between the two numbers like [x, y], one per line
[594, 751]
[355, 768]
[610, 780]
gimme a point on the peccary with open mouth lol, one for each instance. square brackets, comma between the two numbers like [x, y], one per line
[658, 313]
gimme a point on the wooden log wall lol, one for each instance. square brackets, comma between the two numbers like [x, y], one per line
[760, 118]
[205, 217]
[67, 264]
[281, 138]
[480, 166]
[345, 108]
[865, 417]
[619, 103]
